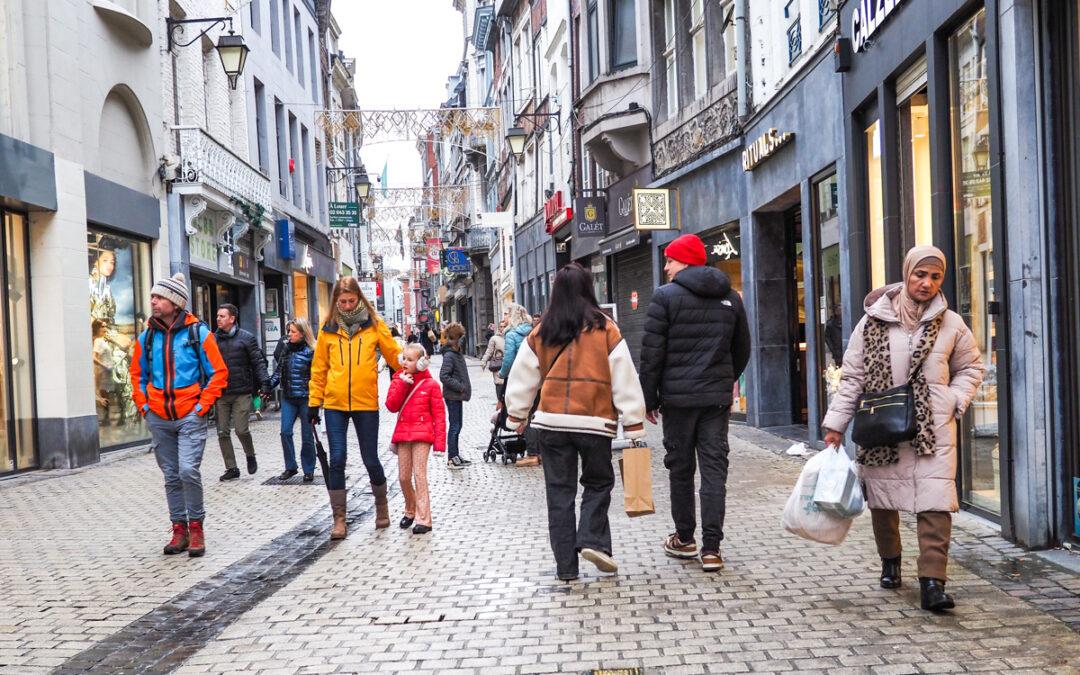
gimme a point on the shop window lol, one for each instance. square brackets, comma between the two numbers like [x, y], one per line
[975, 274]
[830, 328]
[119, 270]
[723, 249]
[301, 309]
[916, 227]
[875, 215]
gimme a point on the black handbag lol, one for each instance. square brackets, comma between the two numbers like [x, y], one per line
[885, 418]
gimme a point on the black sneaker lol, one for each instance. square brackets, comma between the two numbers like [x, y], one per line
[405, 523]
[230, 474]
[456, 463]
[253, 465]
[309, 478]
[421, 529]
[287, 474]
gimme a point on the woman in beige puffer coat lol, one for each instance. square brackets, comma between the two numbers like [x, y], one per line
[906, 322]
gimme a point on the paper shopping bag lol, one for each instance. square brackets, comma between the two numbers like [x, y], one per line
[636, 469]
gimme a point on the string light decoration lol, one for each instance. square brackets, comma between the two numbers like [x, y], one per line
[411, 123]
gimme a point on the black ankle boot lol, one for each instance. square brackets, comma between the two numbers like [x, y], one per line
[934, 597]
[890, 572]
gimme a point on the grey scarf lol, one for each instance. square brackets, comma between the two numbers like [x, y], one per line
[354, 320]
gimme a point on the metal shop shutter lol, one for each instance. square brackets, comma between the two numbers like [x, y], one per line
[633, 272]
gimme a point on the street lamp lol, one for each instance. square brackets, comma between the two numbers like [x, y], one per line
[230, 48]
[363, 185]
[516, 138]
[233, 53]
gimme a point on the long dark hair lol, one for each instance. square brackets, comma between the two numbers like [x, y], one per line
[572, 309]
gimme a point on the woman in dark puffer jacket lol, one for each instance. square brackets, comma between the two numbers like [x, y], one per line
[293, 372]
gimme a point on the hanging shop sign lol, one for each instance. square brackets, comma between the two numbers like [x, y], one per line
[555, 214]
[656, 209]
[434, 252]
[285, 233]
[765, 147]
[620, 199]
[369, 289]
[590, 217]
[457, 261]
[344, 214]
[868, 17]
[243, 267]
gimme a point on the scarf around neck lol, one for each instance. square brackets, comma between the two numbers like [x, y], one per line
[354, 320]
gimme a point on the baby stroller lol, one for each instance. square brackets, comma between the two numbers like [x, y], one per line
[504, 441]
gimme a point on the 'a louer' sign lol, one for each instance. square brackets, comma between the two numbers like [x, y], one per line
[868, 17]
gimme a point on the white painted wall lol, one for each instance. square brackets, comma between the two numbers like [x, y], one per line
[769, 64]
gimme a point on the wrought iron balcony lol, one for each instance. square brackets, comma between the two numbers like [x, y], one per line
[479, 239]
[205, 161]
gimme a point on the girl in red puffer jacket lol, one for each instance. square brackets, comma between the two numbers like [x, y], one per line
[421, 426]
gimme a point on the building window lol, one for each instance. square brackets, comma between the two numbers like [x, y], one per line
[256, 16]
[826, 10]
[697, 42]
[623, 33]
[288, 37]
[294, 154]
[731, 50]
[260, 127]
[593, 27]
[671, 66]
[306, 161]
[874, 209]
[299, 46]
[282, 149]
[119, 289]
[275, 27]
[315, 66]
[794, 41]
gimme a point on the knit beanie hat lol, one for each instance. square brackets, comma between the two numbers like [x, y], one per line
[174, 289]
[687, 249]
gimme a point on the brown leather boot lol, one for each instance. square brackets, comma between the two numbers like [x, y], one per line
[337, 505]
[382, 509]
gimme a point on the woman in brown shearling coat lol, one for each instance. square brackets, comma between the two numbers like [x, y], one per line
[905, 323]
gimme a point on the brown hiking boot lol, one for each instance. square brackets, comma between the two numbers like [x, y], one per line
[197, 546]
[711, 561]
[676, 548]
[528, 460]
[382, 508]
[337, 506]
[179, 541]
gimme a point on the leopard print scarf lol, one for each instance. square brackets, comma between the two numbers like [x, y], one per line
[878, 369]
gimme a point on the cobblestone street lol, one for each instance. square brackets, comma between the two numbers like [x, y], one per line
[84, 587]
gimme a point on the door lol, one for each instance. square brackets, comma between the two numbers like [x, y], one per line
[633, 293]
[18, 445]
[797, 312]
[829, 321]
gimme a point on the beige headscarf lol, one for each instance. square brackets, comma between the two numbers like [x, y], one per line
[907, 308]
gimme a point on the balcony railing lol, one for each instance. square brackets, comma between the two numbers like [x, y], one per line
[206, 161]
[481, 238]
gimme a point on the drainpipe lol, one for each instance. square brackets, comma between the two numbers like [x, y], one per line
[741, 46]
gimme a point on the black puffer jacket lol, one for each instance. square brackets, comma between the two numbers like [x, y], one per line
[246, 362]
[697, 342]
[454, 376]
[292, 370]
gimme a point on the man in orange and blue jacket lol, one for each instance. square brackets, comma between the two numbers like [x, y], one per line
[177, 374]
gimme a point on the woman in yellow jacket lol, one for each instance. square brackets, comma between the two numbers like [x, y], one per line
[345, 381]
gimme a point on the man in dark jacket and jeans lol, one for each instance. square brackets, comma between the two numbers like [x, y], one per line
[696, 345]
[247, 376]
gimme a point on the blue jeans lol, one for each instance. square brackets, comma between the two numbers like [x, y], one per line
[366, 423]
[291, 409]
[178, 447]
[456, 410]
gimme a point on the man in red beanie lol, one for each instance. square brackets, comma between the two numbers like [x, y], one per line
[697, 344]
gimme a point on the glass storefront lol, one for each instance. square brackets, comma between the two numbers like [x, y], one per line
[723, 248]
[18, 446]
[916, 213]
[119, 285]
[830, 327]
[875, 205]
[208, 296]
[323, 290]
[301, 308]
[598, 267]
[975, 274]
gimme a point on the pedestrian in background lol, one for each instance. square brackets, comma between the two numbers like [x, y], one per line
[457, 389]
[580, 365]
[345, 380]
[177, 374]
[493, 359]
[520, 324]
[908, 331]
[421, 426]
[696, 345]
[247, 376]
[292, 371]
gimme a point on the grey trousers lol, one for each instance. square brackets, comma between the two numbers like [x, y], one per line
[233, 411]
[178, 447]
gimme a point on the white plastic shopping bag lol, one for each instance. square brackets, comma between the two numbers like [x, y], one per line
[804, 518]
[838, 490]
